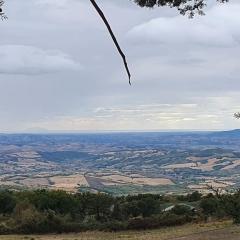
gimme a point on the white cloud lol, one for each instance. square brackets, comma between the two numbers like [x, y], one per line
[218, 28]
[29, 60]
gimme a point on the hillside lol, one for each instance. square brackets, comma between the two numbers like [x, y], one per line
[121, 163]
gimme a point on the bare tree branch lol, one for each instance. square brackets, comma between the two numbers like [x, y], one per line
[101, 14]
[216, 191]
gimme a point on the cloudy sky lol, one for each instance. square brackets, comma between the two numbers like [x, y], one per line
[60, 71]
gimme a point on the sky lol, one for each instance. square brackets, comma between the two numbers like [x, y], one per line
[60, 71]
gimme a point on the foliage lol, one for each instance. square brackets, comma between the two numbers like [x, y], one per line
[45, 211]
[2, 15]
[189, 7]
[7, 202]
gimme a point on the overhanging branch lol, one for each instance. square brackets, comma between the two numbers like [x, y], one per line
[101, 14]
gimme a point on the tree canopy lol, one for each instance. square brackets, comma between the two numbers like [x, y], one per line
[189, 7]
[2, 15]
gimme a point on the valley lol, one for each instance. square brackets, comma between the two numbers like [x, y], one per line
[121, 163]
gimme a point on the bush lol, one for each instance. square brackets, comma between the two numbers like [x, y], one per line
[182, 210]
[113, 226]
[171, 219]
[164, 220]
[4, 229]
[142, 223]
[209, 206]
[7, 202]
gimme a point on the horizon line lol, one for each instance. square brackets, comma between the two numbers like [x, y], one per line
[46, 131]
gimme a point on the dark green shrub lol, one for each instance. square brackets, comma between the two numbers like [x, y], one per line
[7, 202]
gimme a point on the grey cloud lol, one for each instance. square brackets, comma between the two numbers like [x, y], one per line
[29, 60]
[218, 28]
[167, 69]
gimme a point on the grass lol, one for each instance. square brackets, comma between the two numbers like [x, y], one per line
[202, 231]
[138, 189]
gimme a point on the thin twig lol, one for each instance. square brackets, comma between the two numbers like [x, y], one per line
[100, 12]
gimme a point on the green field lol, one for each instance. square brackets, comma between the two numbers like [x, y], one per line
[207, 231]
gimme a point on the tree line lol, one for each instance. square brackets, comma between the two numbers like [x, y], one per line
[45, 211]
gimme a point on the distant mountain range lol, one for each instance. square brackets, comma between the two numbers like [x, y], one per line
[233, 133]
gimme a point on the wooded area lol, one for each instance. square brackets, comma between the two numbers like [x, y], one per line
[43, 211]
